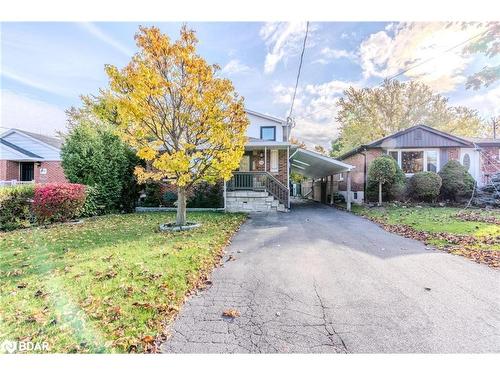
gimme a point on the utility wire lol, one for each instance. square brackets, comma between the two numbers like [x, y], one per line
[413, 67]
[300, 68]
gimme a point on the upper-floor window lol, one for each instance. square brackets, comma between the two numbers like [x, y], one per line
[268, 133]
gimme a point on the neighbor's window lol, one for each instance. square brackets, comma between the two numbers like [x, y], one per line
[412, 161]
[274, 161]
[268, 133]
[431, 161]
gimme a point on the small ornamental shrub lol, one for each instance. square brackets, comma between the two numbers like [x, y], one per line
[91, 206]
[382, 173]
[58, 202]
[457, 182]
[205, 195]
[424, 186]
[15, 206]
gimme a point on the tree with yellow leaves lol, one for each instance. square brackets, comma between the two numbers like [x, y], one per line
[185, 121]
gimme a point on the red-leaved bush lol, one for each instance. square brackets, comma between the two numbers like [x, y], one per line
[58, 201]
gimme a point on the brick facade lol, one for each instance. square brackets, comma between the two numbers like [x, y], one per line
[258, 164]
[54, 172]
[358, 174]
[489, 162]
[9, 170]
[453, 153]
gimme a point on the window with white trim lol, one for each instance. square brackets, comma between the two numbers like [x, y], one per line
[274, 161]
[416, 160]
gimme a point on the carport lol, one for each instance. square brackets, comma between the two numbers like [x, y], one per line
[316, 166]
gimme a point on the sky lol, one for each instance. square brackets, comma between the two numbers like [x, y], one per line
[45, 67]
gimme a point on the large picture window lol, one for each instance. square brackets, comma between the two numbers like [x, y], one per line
[414, 161]
[432, 158]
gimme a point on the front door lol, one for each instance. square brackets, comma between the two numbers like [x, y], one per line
[245, 163]
[27, 171]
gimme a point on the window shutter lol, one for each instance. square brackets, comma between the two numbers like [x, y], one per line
[274, 160]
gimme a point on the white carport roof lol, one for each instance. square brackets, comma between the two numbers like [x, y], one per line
[314, 165]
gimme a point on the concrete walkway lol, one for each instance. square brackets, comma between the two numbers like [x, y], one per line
[321, 280]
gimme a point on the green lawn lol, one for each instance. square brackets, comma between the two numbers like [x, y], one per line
[107, 285]
[472, 238]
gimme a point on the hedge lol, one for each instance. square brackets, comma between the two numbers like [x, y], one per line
[15, 206]
[24, 205]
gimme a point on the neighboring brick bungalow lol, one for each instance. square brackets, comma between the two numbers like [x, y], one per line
[26, 157]
[422, 148]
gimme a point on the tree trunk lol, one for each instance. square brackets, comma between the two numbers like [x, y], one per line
[380, 193]
[181, 206]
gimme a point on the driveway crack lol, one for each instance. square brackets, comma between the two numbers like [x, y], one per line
[329, 328]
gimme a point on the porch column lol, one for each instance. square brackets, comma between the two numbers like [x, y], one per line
[349, 191]
[265, 159]
[331, 189]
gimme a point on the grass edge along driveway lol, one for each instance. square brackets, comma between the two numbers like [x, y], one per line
[107, 285]
[472, 233]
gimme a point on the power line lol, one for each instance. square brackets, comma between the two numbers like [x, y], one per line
[412, 67]
[300, 68]
[432, 58]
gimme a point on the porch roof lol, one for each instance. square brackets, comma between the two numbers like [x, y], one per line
[314, 165]
[256, 144]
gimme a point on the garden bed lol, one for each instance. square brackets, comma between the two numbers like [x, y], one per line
[107, 285]
[472, 233]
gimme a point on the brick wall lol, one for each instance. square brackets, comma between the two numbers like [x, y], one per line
[55, 172]
[9, 170]
[489, 162]
[258, 164]
[358, 174]
[453, 154]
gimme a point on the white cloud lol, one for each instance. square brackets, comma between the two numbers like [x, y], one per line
[383, 55]
[315, 110]
[34, 83]
[22, 112]
[234, 67]
[486, 103]
[283, 39]
[329, 54]
[101, 35]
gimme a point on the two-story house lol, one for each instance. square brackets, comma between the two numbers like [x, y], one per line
[262, 182]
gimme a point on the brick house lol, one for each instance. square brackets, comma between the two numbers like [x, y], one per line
[422, 148]
[262, 181]
[29, 157]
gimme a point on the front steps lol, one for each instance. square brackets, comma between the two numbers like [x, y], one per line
[252, 201]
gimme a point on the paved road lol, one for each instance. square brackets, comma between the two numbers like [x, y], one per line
[321, 280]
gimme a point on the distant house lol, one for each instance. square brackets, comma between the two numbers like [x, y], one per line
[422, 148]
[29, 157]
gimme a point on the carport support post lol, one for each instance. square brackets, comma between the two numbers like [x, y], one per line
[348, 191]
[331, 189]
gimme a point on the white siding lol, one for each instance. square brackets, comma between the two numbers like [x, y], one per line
[36, 147]
[256, 122]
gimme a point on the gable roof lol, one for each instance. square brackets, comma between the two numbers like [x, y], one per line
[51, 141]
[19, 149]
[267, 117]
[437, 138]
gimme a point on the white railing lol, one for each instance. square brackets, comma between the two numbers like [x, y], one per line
[15, 182]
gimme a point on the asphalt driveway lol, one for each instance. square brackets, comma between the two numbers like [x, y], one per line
[322, 280]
